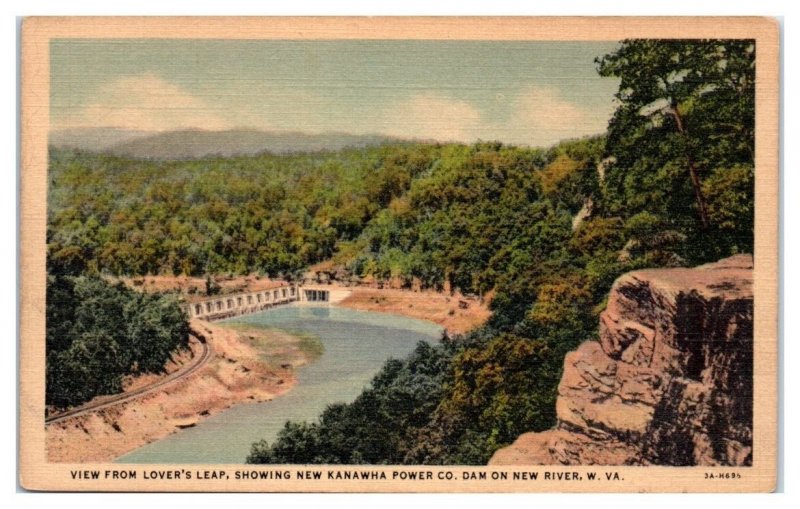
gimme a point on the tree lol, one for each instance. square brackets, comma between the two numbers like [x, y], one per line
[686, 103]
[212, 287]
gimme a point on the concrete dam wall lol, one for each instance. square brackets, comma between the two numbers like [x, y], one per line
[218, 307]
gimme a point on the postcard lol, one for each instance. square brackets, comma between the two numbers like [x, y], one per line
[399, 254]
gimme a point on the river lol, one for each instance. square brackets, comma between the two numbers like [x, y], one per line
[356, 343]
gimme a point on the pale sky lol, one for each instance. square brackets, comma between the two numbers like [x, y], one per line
[532, 93]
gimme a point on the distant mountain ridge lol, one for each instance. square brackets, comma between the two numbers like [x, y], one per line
[195, 143]
[93, 139]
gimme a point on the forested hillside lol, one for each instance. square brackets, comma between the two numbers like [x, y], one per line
[669, 184]
[271, 214]
[98, 333]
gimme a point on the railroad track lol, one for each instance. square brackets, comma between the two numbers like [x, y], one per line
[124, 397]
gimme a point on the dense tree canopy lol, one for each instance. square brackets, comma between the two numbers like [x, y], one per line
[271, 214]
[98, 333]
[682, 141]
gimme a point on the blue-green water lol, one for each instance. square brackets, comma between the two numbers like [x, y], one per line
[357, 343]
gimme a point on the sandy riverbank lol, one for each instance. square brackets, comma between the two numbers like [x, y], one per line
[248, 365]
[455, 313]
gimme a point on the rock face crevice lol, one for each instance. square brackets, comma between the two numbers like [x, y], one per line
[669, 382]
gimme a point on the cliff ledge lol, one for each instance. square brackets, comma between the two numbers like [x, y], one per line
[670, 381]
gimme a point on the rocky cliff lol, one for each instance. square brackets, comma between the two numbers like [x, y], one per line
[669, 382]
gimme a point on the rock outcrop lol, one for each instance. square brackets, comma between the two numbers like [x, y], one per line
[669, 382]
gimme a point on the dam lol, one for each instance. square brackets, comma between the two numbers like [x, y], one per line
[218, 307]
